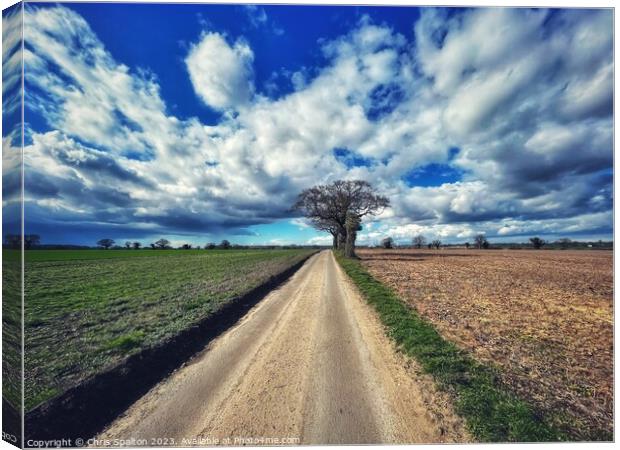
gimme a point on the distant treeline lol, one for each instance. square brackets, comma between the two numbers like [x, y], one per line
[561, 244]
[32, 242]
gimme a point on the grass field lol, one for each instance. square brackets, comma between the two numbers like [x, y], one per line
[11, 328]
[88, 309]
[543, 319]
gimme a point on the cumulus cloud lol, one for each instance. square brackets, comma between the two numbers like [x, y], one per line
[524, 95]
[221, 73]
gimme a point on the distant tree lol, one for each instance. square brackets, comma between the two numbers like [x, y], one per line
[486, 244]
[429, 245]
[338, 208]
[31, 240]
[186, 246]
[105, 243]
[480, 241]
[419, 241]
[162, 244]
[210, 246]
[436, 243]
[564, 243]
[128, 245]
[153, 246]
[537, 242]
[467, 244]
[387, 243]
[136, 245]
[225, 244]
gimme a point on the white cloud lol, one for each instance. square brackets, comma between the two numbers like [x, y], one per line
[256, 15]
[319, 240]
[11, 59]
[591, 96]
[528, 107]
[221, 74]
[302, 224]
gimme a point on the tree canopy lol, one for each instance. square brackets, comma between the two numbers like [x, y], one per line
[162, 244]
[419, 241]
[106, 243]
[338, 208]
[481, 241]
[537, 242]
[387, 242]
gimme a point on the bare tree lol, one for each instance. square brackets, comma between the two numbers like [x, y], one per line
[162, 244]
[329, 206]
[537, 242]
[564, 243]
[387, 242]
[436, 243]
[31, 240]
[136, 245]
[480, 241]
[105, 243]
[338, 236]
[419, 241]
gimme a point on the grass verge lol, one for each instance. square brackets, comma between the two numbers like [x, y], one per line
[492, 413]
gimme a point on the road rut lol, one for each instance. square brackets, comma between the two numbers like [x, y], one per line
[309, 364]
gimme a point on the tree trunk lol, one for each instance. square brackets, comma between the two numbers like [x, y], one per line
[341, 239]
[349, 248]
[335, 241]
[352, 224]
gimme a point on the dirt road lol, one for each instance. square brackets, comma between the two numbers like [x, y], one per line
[309, 364]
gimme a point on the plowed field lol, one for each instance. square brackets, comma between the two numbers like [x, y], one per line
[544, 318]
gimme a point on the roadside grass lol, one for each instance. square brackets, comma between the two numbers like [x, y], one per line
[492, 413]
[87, 310]
[127, 341]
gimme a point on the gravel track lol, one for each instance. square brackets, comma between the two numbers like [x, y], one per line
[309, 364]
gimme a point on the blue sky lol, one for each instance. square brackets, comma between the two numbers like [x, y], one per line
[203, 122]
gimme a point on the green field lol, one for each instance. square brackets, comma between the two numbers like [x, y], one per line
[11, 328]
[88, 309]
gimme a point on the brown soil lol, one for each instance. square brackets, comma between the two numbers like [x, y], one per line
[545, 318]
